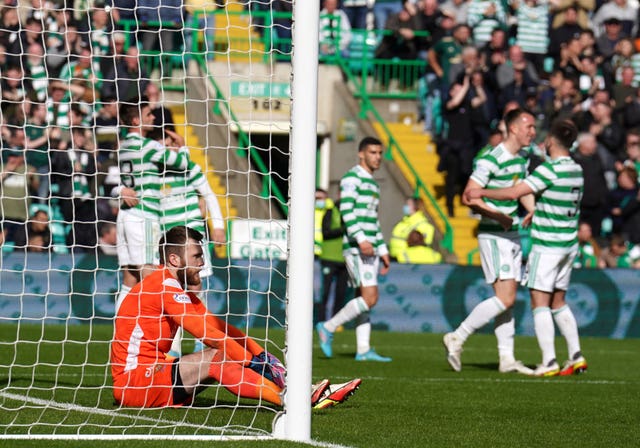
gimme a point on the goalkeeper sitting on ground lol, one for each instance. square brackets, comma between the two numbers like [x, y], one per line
[147, 320]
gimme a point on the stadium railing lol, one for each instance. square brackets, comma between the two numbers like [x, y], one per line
[369, 77]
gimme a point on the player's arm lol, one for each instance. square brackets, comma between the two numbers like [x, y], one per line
[471, 199]
[517, 191]
[186, 310]
[213, 207]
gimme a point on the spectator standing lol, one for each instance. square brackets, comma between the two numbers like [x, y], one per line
[383, 9]
[458, 147]
[483, 17]
[163, 24]
[447, 52]
[335, 30]
[400, 40]
[594, 198]
[357, 11]
[17, 182]
[459, 8]
[364, 248]
[38, 135]
[624, 11]
[561, 34]
[533, 29]
[621, 199]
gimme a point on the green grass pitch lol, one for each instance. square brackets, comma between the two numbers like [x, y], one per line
[414, 401]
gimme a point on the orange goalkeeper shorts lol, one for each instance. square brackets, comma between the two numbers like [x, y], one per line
[150, 386]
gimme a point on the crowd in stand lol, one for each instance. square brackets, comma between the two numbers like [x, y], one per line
[63, 69]
[577, 59]
[63, 72]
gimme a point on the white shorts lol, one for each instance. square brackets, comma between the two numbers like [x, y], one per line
[138, 238]
[548, 271]
[363, 271]
[501, 257]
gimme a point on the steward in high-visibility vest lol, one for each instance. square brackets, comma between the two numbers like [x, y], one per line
[323, 203]
[334, 269]
[414, 219]
[417, 253]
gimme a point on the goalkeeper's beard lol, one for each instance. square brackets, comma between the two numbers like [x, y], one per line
[189, 277]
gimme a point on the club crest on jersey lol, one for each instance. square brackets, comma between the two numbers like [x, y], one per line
[182, 298]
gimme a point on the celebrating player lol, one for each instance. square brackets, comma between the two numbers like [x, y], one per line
[363, 249]
[499, 243]
[558, 185]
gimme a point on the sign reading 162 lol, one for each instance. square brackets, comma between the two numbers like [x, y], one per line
[266, 104]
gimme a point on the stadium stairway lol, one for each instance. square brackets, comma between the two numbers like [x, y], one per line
[422, 155]
[234, 35]
[198, 155]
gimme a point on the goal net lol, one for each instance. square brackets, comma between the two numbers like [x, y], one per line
[208, 70]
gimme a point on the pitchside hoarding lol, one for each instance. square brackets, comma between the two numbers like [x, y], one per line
[414, 298]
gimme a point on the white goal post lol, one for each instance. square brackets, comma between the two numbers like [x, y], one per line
[57, 303]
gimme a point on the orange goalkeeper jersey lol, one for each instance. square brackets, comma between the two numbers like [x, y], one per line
[149, 316]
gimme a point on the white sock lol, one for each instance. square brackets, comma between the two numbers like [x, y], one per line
[176, 345]
[124, 290]
[568, 326]
[545, 332]
[350, 311]
[363, 333]
[505, 330]
[480, 316]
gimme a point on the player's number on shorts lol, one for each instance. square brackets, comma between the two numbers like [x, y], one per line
[577, 193]
[126, 168]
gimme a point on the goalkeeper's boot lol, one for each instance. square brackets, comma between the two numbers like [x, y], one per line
[326, 339]
[371, 355]
[508, 365]
[338, 393]
[318, 391]
[278, 370]
[454, 349]
[574, 366]
[550, 369]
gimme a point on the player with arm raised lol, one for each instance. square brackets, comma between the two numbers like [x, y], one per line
[180, 204]
[146, 322]
[142, 162]
[499, 243]
[558, 185]
[363, 247]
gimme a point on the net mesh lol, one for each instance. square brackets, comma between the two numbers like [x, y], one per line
[209, 71]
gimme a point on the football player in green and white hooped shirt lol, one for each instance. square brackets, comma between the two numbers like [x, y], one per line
[498, 241]
[558, 185]
[142, 162]
[363, 247]
[180, 206]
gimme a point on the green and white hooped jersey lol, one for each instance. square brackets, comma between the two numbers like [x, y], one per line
[180, 204]
[143, 162]
[558, 185]
[498, 168]
[359, 200]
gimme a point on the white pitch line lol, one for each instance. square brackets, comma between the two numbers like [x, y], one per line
[77, 408]
[97, 411]
[501, 380]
